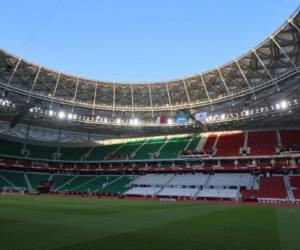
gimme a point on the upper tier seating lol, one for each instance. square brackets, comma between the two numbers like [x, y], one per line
[259, 143]
[218, 193]
[145, 191]
[271, 187]
[126, 150]
[149, 148]
[99, 153]
[10, 147]
[189, 180]
[290, 139]
[153, 179]
[295, 185]
[173, 148]
[194, 143]
[176, 192]
[262, 143]
[44, 152]
[208, 146]
[227, 180]
[230, 144]
[72, 153]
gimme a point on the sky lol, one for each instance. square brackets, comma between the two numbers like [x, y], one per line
[137, 40]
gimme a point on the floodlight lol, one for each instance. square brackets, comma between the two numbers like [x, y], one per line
[283, 104]
[61, 114]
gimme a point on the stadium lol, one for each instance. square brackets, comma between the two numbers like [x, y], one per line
[207, 161]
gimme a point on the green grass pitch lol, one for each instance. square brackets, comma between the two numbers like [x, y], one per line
[74, 223]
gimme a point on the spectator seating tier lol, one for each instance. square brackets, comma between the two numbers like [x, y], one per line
[271, 187]
[178, 192]
[218, 193]
[290, 139]
[262, 143]
[119, 186]
[189, 180]
[144, 191]
[210, 142]
[295, 185]
[153, 179]
[227, 180]
[230, 144]
[35, 179]
[173, 148]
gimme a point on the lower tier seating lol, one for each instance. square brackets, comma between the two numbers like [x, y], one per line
[218, 193]
[189, 180]
[144, 191]
[35, 179]
[153, 179]
[15, 179]
[178, 192]
[119, 186]
[268, 188]
[237, 180]
[295, 185]
[218, 185]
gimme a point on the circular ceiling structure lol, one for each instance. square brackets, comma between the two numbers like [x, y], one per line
[267, 65]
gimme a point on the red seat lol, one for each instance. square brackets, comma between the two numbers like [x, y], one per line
[262, 143]
[290, 138]
[271, 187]
[209, 142]
[295, 185]
[230, 144]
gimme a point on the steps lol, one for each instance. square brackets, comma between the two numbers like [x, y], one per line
[7, 181]
[113, 181]
[288, 188]
[28, 182]
[66, 183]
[202, 142]
[134, 153]
[157, 153]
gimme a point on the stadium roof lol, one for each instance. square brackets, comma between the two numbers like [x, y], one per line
[263, 76]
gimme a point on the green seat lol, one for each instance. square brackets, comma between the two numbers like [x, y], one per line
[194, 143]
[40, 152]
[72, 153]
[149, 148]
[35, 179]
[173, 148]
[16, 178]
[100, 152]
[96, 184]
[59, 180]
[119, 186]
[10, 147]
